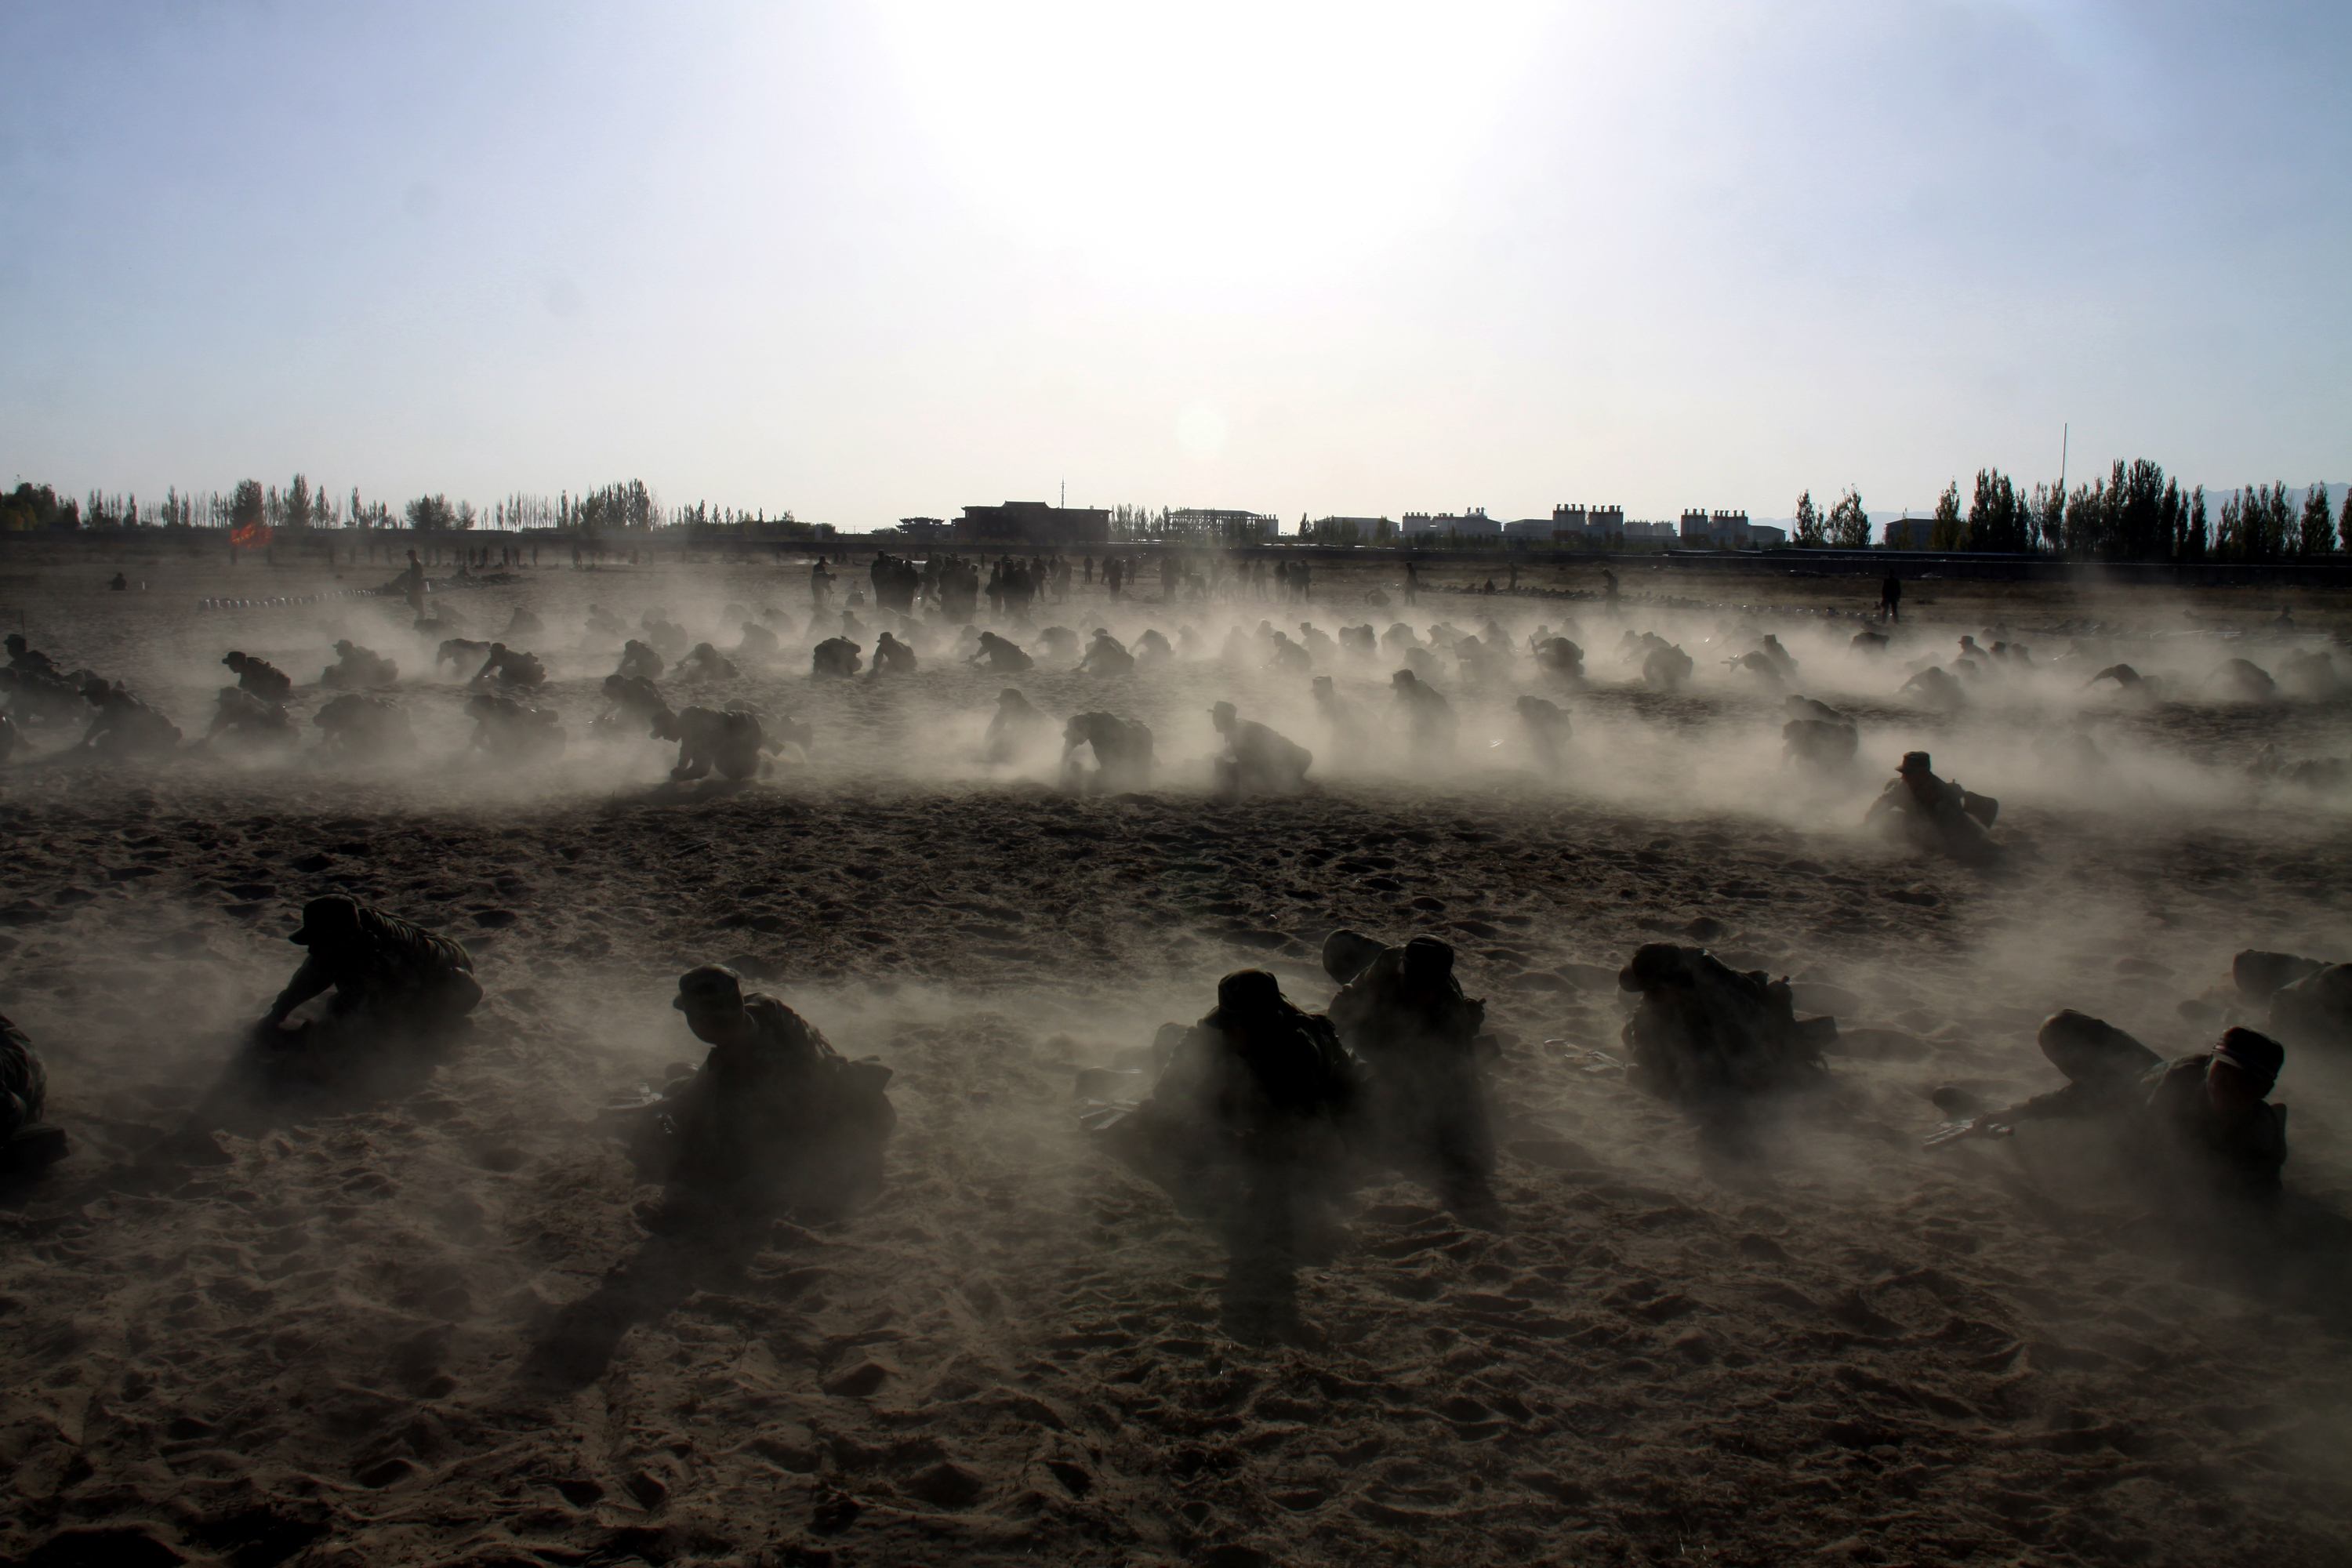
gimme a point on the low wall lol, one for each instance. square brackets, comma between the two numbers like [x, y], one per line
[391, 546]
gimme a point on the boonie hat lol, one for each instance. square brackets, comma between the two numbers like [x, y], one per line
[712, 985]
[2257, 1056]
[1248, 991]
[323, 917]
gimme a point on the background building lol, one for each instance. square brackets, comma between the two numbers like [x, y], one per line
[1573, 522]
[1909, 532]
[1208, 525]
[1032, 522]
[1348, 530]
[1474, 521]
[1730, 530]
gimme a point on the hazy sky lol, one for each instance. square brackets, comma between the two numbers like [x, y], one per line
[867, 261]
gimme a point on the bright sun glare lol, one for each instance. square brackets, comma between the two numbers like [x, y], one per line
[1263, 132]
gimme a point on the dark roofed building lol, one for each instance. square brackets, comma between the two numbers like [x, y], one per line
[1032, 522]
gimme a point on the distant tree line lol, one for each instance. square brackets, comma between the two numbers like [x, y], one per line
[2136, 514]
[1845, 526]
[297, 506]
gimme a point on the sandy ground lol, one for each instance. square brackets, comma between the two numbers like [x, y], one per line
[422, 1322]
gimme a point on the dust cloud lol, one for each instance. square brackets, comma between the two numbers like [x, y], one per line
[424, 1315]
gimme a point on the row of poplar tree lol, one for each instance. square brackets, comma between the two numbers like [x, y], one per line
[299, 505]
[2136, 514]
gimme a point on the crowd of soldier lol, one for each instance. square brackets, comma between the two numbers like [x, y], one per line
[1262, 1116]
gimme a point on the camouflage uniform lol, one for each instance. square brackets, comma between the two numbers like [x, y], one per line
[705, 662]
[1667, 668]
[1122, 753]
[24, 658]
[1248, 1113]
[1003, 657]
[634, 700]
[1106, 656]
[387, 975]
[126, 727]
[1707, 1034]
[1933, 813]
[251, 720]
[356, 669]
[263, 679]
[511, 666]
[1257, 761]
[2106, 1071]
[1016, 725]
[729, 742]
[640, 661]
[1548, 728]
[1560, 662]
[837, 657]
[775, 1118]
[891, 655]
[2245, 1146]
[1404, 1015]
[1427, 713]
[1257, 1072]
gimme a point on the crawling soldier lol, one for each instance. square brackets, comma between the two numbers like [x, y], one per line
[891, 655]
[1402, 1013]
[1122, 753]
[1106, 656]
[265, 680]
[728, 742]
[125, 727]
[28, 659]
[1706, 1035]
[1016, 729]
[640, 661]
[776, 1119]
[1000, 656]
[2105, 1071]
[1256, 760]
[835, 658]
[703, 663]
[1428, 717]
[634, 701]
[1547, 730]
[2209, 1115]
[1251, 1103]
[249, 722]
[510, 668]
[1932, 814]
[394, 982]
[356, 669]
